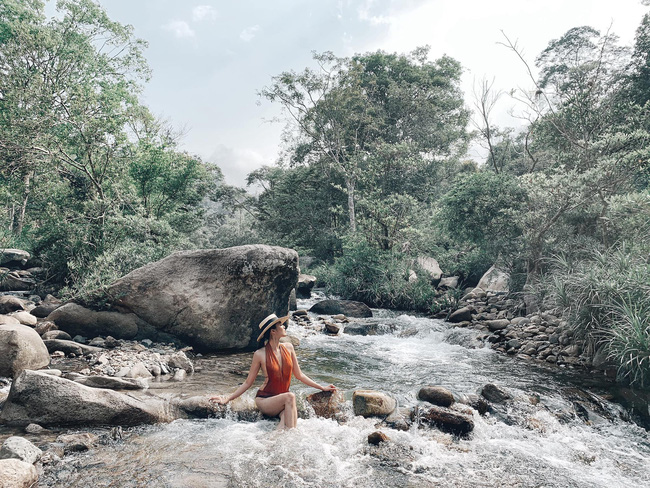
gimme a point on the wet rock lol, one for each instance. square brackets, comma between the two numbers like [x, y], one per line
[498, 324]
[77, 442]
[36, 397]
[108, 382]
[461, 315]
[179, 375]
[437, 395]
[327, 404]
[21, 348]
[346, 307]
[56, 334]
[181, 361]
[369, 403]
[212, 299]
[17, 474]
[444, 419]
[400, 419]
[474, 401]
[139, 370]
[201, 407]
[9, 303]
[514, 344]
[361, 328]
[16, 447]
[300, 313]
[377, 438]
[494, 394]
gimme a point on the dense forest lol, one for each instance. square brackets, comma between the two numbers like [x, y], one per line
[373, 173]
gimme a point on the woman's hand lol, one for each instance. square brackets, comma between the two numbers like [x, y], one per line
[328, 388]
[220, 399]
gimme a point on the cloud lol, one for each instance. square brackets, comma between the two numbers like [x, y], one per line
[236, 163]
[365, 15]
[204, 12]
[248, 34]
[179, 28]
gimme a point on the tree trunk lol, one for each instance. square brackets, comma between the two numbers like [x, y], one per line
[350, 184]
[21, 215]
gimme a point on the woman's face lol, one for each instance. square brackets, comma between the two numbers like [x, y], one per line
[280, 330]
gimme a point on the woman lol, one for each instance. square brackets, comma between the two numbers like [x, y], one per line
[277, 361]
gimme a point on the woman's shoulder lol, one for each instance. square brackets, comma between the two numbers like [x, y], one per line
[287, 345]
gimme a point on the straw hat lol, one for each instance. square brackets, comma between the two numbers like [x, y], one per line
[269, 322]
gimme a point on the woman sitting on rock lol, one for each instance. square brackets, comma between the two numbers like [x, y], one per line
[277, 361]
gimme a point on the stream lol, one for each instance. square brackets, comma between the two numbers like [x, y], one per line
[525, 444]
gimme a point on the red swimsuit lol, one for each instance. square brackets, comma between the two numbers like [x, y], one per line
[276, 381]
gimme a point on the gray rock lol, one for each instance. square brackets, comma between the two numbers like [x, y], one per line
[451, 282]
[70, 347]
[444, 419]
[461, 315]
[498, 324]
[180, 360]
[369, 403]
[305, 284]
[9, 303]
[430, 266]
[400, 419]
[35, 429]
[56, 334]
[17, 256]
[17, 474]
[78, 320]
[42, 310]
[25, 318]
[20, 448]
[212, 299]
[9, 320]
[495, 394]
[21, 348]
[138, 370]
[436, 395]
[36, 397]
[346, 307]
[77, 442]
[108, 382]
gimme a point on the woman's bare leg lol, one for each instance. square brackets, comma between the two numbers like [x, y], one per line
[284, 403]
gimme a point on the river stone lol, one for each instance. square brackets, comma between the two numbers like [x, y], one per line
[349, 308]
[444, 419]
[9, 320]
[201, 407]
[400, 419]
[45, 326]
[56, 334]
[461, 315]
[369, 403]
[17, 474]
[494, 394]
[327, 404]
[12, 281]
[70, 347]
[332, 328]
[78, 320]
[16, 447]
[36, 397]
[181, 361]
[21, 348]
[436, 395]
[10, 303]
[25, 318]
[108, 382]
[35, 429]
[430, 266]
[377, 438]
[43, 309]
[212, 299]
[77, 442]
[305, 284]
[498, 324]
[477, 402]
[139, 370]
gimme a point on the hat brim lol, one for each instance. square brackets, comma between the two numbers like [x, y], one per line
[268, 326]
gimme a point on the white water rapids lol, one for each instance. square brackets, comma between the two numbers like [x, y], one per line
[525, 445]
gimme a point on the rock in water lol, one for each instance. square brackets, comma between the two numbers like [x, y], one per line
[436, 395]
[445, 419]
[37, 397]
[16, 447]
[327, 404]
[369, 403]
[21, 348]
[212, 299]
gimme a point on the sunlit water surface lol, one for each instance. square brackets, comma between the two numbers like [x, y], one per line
[532, 448]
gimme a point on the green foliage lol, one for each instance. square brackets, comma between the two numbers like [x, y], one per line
[377, 278]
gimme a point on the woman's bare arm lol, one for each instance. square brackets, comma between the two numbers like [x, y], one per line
[300, 376]
[252, 374]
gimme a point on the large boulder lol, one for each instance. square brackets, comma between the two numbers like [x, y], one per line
[9, 303]
[47, 400]
[430, 266]
[445, 419]
[494, 280]
[305, 284]
[436, 395]
[17, 474]
[77, 320]
[16, 447]
[12, 281]
[345, 307]
[212, 299]
[21, 348]
[14, 257]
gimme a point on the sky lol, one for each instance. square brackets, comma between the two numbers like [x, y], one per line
[210, 58]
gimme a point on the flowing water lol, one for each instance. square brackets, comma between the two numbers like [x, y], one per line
[523, 445]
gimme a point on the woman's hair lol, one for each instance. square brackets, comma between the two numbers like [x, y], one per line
[267, 335]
